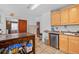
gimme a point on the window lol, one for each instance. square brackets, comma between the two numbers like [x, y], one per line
[14, 27]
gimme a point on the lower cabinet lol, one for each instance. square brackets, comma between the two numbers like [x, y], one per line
[73, 44]
[69, 44]
[63, 43]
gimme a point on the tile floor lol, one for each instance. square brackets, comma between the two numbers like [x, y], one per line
[42, 48]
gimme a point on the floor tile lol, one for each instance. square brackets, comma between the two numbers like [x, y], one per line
[42, 48]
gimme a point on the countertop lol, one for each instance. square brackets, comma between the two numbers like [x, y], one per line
[5, 37]
[75, 33]
[54, 32]
[62, 33]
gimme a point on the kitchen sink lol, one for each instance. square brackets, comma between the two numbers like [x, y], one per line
[69, 33]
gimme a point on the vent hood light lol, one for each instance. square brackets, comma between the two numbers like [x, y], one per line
[34, 6]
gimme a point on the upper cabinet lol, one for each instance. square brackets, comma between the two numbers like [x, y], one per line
[55, 18]
[74, 15]
[64, 16]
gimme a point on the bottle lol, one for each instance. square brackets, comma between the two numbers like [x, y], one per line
[29, 47]
[0, 31]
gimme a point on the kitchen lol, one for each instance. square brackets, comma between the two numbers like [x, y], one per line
[66, 22]
[58, 26]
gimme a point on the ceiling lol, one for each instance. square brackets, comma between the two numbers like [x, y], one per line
[22, 10]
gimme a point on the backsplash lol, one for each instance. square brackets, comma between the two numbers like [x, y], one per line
[66, 28]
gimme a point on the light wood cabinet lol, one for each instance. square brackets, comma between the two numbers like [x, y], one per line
[64, 16]
[55, 16]
[74, 15]
[63, 43]
[69, 44]
[73, 44]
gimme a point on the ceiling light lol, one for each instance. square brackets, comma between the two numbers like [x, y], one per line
[34, 6]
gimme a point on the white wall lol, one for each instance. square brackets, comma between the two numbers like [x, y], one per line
[31, 26]
[45, 22]
[3, 23]
[4, 17]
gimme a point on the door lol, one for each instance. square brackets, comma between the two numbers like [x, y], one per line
[73, 44]
[38, 29]
[74, 14]
[22, 26]
[65, 16]
[63, 43]
[55, 17]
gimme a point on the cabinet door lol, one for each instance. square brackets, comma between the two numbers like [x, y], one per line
[74, 15]
[63, 43]
[55, 18]
[65, 16]
[73, 44]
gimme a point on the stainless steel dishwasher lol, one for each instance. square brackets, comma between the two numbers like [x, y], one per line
[54, 40]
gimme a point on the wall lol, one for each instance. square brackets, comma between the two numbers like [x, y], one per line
[3, 23]
[31, 25]
[45, 22]
[45, 25]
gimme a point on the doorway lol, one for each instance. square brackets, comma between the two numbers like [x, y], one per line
[38, 29]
